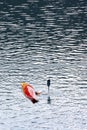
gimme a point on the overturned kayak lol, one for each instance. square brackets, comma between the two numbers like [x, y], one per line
[29, 92]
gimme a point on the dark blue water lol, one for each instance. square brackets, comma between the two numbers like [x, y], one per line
[38, 40]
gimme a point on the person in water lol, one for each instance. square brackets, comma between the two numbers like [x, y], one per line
[29, 92]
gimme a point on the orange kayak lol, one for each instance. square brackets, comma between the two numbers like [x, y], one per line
[29, 92]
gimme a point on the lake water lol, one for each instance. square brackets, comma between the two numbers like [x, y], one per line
[41, 39]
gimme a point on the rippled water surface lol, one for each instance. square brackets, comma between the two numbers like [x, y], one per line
[38, 40]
